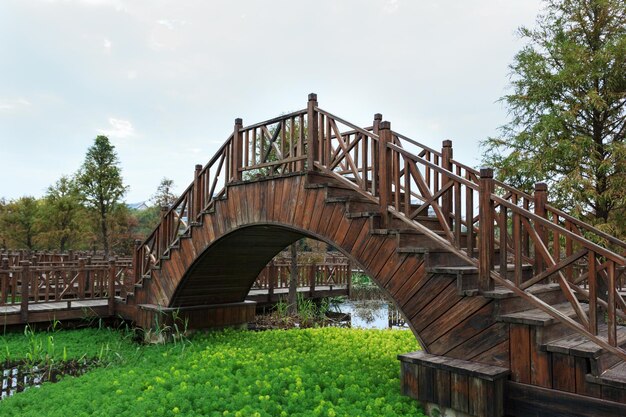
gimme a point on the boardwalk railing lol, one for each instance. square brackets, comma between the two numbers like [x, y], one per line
[332, 272]
[503, 231]
[30, 284]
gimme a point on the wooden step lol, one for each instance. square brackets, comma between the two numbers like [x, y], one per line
[537, 317]
[613, 377]
[431, 222]
[580, 346]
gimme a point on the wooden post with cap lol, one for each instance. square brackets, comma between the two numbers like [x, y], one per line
[378, 117]
[237, 151]
[197, 194]
[313, 133]
[446, 198]
[486, 238]
[384, 171]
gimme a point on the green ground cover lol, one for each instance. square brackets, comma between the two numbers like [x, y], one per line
[307, 372]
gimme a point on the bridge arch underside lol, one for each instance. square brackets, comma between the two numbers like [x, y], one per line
[220, 259]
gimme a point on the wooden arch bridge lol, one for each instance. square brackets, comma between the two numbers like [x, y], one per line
[516, 304]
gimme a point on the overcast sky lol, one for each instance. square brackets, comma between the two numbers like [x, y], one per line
[164, 80]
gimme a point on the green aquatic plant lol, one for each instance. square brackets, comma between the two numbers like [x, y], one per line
[310, 372]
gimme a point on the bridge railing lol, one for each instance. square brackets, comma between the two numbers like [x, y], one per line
[505, 232]
[510, 237]
[276, 146]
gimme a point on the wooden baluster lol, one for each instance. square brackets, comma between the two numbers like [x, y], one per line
[81, 278]
[469, 215]
[486, 238]
[541, 197]
[436, 179]
[111, 287]
[313, 133]
[163, 232]
[283, 140]
[364, 161]
[90, 278]
[349, 278]
[569, 250]
[25, 276]
[525, 235]
[246, 149]
[593, 294]
[257, 149]
[612, 319]
[407, 186]
[197, 194]
[270, 278]
[327, 141]
[503, 237]
[457, 210]
[395, 158]
[4, 281]
[137, 264]
[446, 163]
[237, 151]
[556, 240]
[375, 158]
[517, 244]
[312, 276]
[300, 151]
[34, 278]
[384, 172]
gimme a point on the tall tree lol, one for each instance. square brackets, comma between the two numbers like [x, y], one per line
[19, 223]
[64, 215]
[164, 196]
[101, 185]
[568, 110]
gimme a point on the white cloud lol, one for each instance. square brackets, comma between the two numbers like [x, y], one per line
[9, 105]
[391, 6]
[107, 45]
[118, 129]
[131, 74]
[172, 24]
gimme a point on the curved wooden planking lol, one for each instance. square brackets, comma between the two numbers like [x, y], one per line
[221, 257]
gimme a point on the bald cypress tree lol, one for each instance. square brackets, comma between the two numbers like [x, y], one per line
[101, 186]
[568, 111]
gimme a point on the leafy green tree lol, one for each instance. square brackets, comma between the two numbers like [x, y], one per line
[19, 223]
[568, 110]
[147, 220]
[65, 218]
[101, 186]
[164, 196]
[123, 228]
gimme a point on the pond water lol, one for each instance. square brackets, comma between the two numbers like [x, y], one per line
[371, 314]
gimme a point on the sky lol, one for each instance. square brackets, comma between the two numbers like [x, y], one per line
[164, 80]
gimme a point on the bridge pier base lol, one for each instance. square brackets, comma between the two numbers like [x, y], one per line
[453, 387]
[195, 317]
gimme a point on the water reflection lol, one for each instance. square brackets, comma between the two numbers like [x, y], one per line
[371, 314]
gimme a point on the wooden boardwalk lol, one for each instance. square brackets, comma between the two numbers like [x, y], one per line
[99, 308]
[516, 303]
